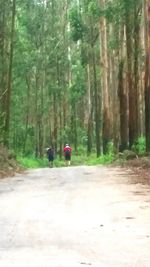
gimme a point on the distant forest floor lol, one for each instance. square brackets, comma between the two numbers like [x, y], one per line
[139, 166]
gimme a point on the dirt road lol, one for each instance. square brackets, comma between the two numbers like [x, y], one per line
[75, 216]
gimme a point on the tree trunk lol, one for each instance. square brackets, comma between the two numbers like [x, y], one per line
[137, 10]
[115, 101]
[105, 96]
[27, 113]
[2, 71]
[123, 109]
[36, 115]
[9, 85]
[90, 112]
[147, 73]
[131, 90]
[55, 120]
[97, 104]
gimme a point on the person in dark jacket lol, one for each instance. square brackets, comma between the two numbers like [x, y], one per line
[50, 156]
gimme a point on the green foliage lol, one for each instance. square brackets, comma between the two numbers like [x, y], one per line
[140, 146]
[110, 149]
[113, 11]
[31, 162]
[77, 25]
[78, 89]
[94, 9]
[81, 151]
[102, 160]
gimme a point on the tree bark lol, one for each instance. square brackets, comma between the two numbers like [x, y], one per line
[9, 85]
[123, 109]
[137, 10]
[104, 67]
[90, 112]
[147, 73]
[133, 134]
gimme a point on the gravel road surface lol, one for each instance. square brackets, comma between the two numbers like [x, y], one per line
[74, 216]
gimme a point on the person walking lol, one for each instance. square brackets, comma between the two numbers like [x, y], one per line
[50, 156]
[67, 154]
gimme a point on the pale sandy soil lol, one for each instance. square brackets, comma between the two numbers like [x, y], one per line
[75, 216]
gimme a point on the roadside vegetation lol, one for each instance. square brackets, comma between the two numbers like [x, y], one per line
[78, 158]
[81, 158]
[136, 159]
[32, 162]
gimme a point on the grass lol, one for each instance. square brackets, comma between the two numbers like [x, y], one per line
[32, 162]
[103, 160]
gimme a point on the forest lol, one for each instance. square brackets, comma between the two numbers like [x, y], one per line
[74, 71]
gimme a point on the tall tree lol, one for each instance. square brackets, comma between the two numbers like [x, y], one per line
[147, 72]
[104, 68]
[9, 78]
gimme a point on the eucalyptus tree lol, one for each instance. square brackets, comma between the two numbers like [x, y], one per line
[114, 50]
[84, 24]
[126, 47]
[103, 29]
[147, 72]
[2, 67]
[7, 29]
[132, 11]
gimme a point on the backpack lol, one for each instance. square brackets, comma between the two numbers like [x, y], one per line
[50, 152]
[67, 152]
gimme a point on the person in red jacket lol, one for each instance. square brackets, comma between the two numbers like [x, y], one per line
[67, 154]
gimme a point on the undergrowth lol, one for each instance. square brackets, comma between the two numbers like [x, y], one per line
[76, 160]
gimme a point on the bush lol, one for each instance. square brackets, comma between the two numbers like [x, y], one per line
[140, 146]
[104, 159]
[31, 162]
